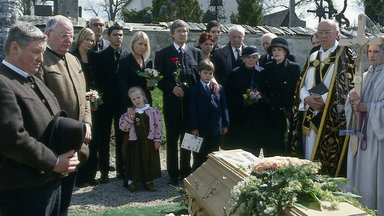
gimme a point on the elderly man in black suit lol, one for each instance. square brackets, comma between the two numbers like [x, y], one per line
[97, 25]
[30, 169]
[229, 57]
[175, 95]
[104, 65]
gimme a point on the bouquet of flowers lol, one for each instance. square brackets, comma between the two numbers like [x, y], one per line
[284, 182]
[177, 73]
[252, 96]
[152, 74]
[94, 98]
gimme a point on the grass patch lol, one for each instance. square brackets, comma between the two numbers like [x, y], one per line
[161, 210]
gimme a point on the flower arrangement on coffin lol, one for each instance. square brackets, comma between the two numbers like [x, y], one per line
[283, 182]
[252, 96]
[177, 73]
[152, 74]
[94, 98]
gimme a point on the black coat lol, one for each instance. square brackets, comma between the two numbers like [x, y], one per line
[128, 77]
[224, 63]
[247, 121]
[189, 74]
[279, 87]
[104, 67]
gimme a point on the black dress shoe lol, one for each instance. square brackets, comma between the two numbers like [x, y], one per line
[93, 182]
[112, 168]
[173, 181]
[104, 179]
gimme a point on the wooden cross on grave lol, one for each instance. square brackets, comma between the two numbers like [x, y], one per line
[359, 42]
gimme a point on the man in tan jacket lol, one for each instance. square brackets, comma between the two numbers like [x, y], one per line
[62, 74]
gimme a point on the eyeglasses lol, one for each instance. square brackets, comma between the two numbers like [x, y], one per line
[325, 33]
[65, 36]
[98, 24]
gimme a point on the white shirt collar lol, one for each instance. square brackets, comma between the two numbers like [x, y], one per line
[184, 47]
[234, 49]
[330, 49]
[204, 84]
[141, 110]
[15, 69]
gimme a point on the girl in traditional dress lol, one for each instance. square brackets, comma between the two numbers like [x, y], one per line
[140, 148]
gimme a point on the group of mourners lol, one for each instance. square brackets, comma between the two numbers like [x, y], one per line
[232, 96]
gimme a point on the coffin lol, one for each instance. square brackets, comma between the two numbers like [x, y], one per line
[209, 187]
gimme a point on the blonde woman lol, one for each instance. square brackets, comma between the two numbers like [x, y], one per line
[134, 63]
[84, 41]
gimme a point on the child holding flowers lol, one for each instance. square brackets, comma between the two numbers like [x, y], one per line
[140, 148]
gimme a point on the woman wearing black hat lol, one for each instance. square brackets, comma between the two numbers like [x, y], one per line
[280, 77]
[247, 117]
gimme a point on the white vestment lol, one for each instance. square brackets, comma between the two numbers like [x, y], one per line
[366, 170]
[309, 141]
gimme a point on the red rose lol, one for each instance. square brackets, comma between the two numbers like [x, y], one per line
[175, 59]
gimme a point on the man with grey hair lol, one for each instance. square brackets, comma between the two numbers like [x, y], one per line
[29, 166]
[62, 74]
[97, 25]
[229, 57]
[175, 94]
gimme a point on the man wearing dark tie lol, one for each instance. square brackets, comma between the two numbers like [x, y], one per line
[104, 65]
[62, 74]
[30, 169]
[175, 95]
[97, 25]
[229, 57]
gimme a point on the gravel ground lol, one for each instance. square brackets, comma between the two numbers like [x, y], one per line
[114, 195]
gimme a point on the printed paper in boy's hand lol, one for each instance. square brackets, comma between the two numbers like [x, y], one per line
[191, 143]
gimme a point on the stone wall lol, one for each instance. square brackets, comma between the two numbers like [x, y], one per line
[299, 45]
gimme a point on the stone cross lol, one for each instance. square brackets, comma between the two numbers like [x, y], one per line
[359, 42]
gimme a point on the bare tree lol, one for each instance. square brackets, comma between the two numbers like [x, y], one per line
[303, 5]
[113, 8]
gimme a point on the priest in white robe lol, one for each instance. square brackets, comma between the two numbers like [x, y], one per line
[366, 169]
[318, 116]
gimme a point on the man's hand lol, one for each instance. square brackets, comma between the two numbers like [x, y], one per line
[157, 145]
[88, 133]
[215, 86]
[178, 91]
[67, 163]
[195, 133]
[315, 101]
[224, 130]
[356, 104]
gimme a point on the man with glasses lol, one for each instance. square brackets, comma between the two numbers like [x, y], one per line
[319, 102]
[61, 72]
[97, 25]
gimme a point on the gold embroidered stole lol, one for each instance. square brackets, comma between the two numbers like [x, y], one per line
[310, 120]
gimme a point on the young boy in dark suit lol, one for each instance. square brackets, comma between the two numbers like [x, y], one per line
[208, 113]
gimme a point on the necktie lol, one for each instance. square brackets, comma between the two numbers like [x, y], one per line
[116, 55]
[100, 45]
[207, 89]
[238, 54]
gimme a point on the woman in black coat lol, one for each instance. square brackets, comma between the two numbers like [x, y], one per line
[280, 77]
[133, 64]
[247, 129]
